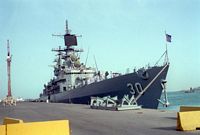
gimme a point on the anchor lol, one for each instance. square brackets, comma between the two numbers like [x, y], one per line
[165, 101]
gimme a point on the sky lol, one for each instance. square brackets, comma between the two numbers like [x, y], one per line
[120, 34]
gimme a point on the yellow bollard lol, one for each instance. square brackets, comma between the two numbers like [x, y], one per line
[18, 127]
[60, 127]
[2, 130]
[188, 120]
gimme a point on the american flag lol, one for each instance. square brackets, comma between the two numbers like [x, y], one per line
[168, 38]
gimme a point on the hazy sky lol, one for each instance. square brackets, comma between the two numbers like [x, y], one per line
[120, 33]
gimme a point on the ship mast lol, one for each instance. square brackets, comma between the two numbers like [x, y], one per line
[69, 51]
[66, 27]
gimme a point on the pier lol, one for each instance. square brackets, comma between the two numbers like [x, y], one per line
[86, 121]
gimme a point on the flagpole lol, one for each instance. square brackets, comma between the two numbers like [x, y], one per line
[167, 53]
[166, 57]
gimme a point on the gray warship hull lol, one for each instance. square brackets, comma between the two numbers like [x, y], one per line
[151, 88]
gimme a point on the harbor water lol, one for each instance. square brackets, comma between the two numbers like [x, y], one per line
[180, 98]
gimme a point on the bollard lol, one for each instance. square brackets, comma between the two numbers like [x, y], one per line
[188, 118]
[2, 130]
[18, 127]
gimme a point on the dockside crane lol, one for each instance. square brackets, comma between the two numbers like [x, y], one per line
[9, 100]
[8, 69]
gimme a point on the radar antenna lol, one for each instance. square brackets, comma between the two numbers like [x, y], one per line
[69, 39]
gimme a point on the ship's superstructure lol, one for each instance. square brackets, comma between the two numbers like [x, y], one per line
[69, 72]
[73, 82]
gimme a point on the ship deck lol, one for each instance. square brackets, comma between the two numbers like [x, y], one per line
[86, 121]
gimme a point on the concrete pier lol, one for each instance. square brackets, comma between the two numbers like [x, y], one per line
[86, 121]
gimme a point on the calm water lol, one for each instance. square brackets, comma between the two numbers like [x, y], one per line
[177, 99]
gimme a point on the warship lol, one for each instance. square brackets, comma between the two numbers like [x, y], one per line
[74, 82]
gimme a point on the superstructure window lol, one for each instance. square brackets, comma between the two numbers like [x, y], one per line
[64, 89]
